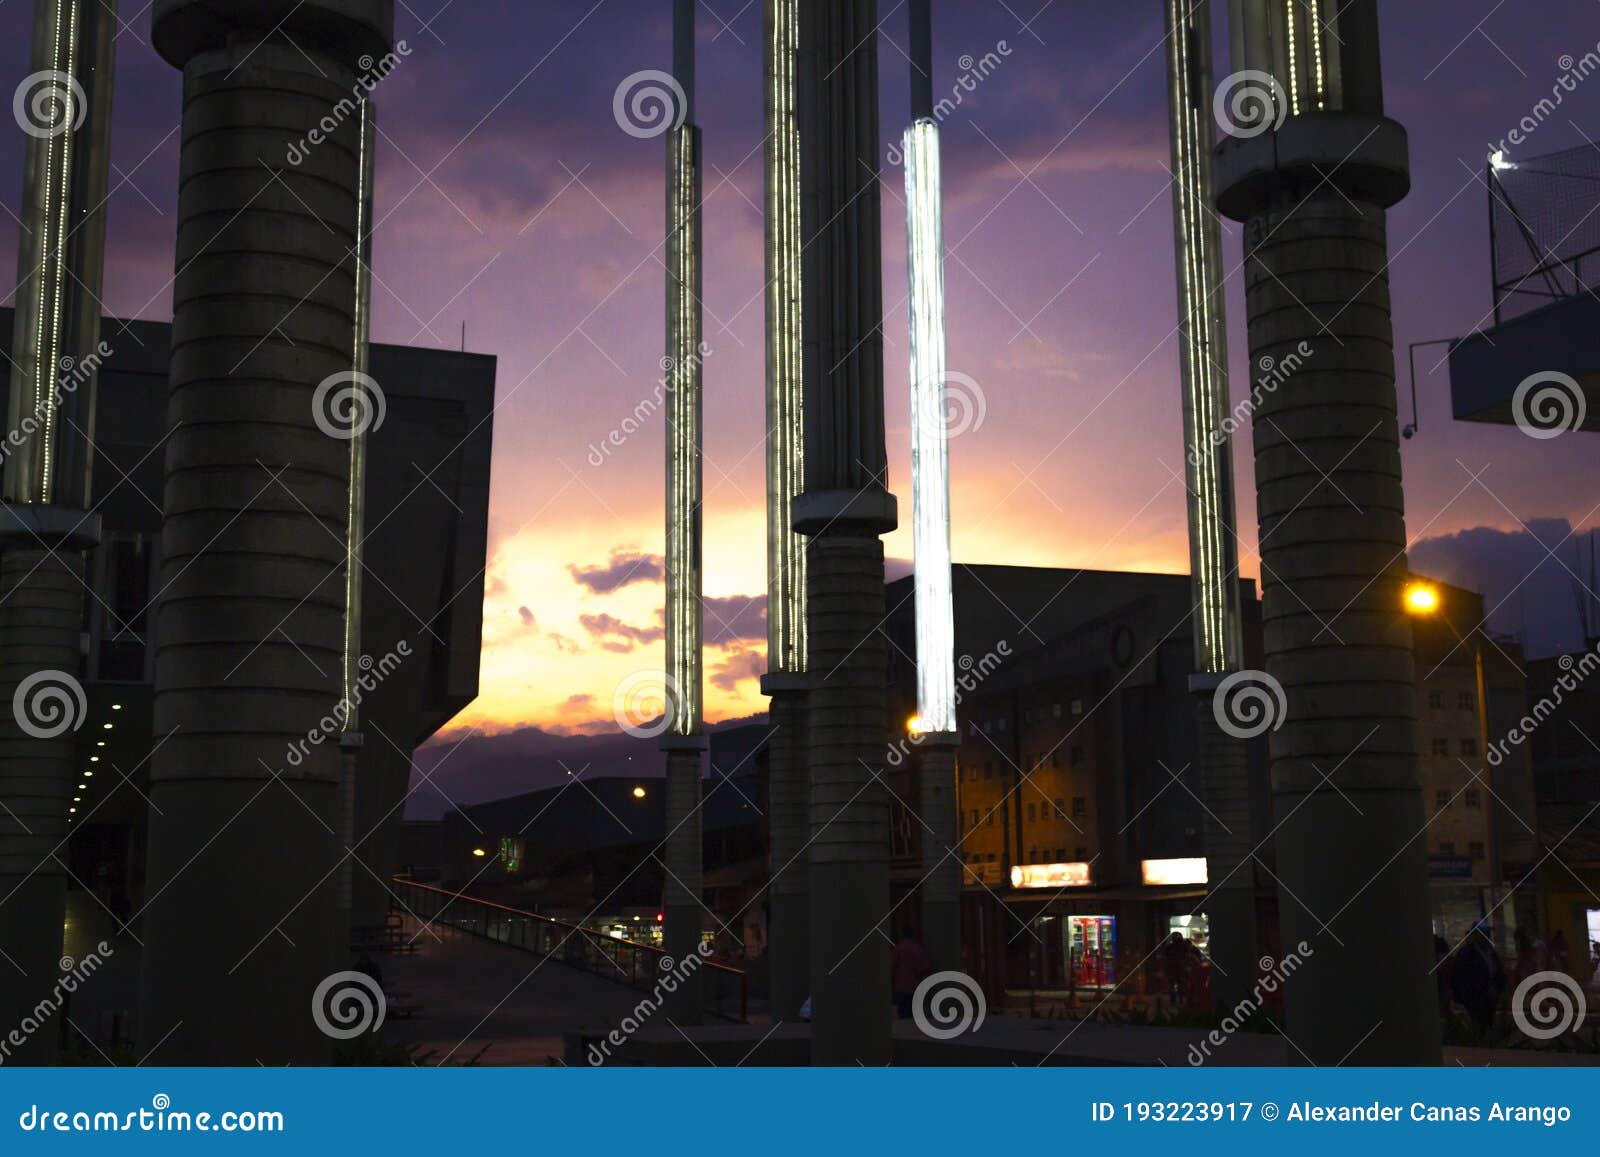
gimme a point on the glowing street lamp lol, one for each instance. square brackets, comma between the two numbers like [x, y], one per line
[1421, 598]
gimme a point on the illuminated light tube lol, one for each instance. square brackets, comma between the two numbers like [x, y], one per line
[1165, 873]
[683, 626]
[1050, 876]
[930, 467]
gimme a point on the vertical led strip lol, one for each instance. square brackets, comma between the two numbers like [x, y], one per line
[786, 556]
[930, 470]
[683, 431]
[1213, 550]
[355, 512]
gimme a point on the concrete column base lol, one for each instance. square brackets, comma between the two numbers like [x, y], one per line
[941, 862]
[682, 908]
[788, 896]
[849, 803]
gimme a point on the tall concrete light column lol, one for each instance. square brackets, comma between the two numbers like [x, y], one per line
[684, 740]
[935, 725]
[64, 107]
[788, 778]
[241, 921]
[1213, 545]
[1311, 167]
[843, 510]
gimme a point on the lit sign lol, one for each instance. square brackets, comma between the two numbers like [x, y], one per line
[1163, 872]
[1050, 876]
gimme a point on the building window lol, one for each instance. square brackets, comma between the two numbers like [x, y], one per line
[1060, 810]
[989, 819]
[1077, 706]
[1466, 700]
[1475, 849]
[1441, 798]
[1055, 756]
[1002, 723]
[1080, 853]
[1080, 805]
[974, 818]
[1447, 847]
[1061, 855]
[1441, 746]
[1077, 755]
[1474, 800]
[1436, 700]
[988, 771]
[1469, 748]
[1031, 815]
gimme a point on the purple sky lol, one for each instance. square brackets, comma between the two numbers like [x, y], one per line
[509, 199]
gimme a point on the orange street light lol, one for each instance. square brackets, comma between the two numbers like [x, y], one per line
[1422, 598]
[638, 793]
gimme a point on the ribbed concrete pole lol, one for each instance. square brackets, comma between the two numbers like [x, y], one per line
[788, 776]
[941, 859]
[64, 108]
[682, 908]
[1349, 823]
[241, 915]
[1230, 906]
[843, 510]
[789, 819]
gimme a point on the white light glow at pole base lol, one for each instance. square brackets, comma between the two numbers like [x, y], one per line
[930, 470]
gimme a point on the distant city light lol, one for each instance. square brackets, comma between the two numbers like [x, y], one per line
[479, 852]
[1499, 162]
[1161, 873]
[1050, 876]
[638, 793]
[1422, 598]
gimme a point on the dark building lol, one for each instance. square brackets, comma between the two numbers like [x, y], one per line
[426, 525]
[1079, 791]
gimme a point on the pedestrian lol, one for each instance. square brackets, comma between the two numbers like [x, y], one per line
[909, 966]
[1477, 977]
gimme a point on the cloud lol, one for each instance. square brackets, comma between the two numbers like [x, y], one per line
[625, 568]
[741, 664]
[728, 620]
[616, 635]
[1526, 591]
[527, 618]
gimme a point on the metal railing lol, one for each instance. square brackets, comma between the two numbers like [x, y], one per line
[726, 990]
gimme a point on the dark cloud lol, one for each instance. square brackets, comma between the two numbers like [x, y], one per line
[616, 635]
[728, 620]
[527, 618]
[742, 664]
[625, 568]
[1531, 580]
